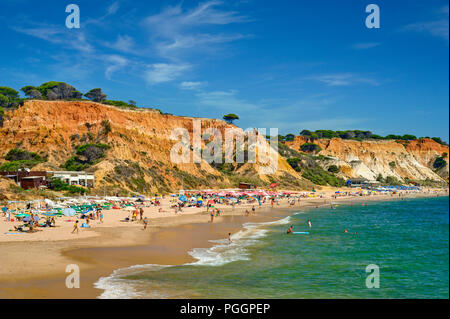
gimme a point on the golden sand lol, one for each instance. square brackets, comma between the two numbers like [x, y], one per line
[33, 265]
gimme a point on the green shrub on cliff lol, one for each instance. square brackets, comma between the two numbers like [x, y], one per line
[310, 147]
[333, 169]
[92, 153]
[120, 104]
[19, 159]
[439, 163]
[59, 185]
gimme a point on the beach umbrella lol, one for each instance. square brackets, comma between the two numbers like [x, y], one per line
[49, 202]
[48, 214]
[183, 198]
[69, 212]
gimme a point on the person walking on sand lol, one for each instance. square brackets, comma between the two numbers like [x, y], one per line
[212, 216]
[75, 227]
[253, 210]
[145, 221]
[141, 213]
[101, 217]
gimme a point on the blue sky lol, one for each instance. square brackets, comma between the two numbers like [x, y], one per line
[292, 65]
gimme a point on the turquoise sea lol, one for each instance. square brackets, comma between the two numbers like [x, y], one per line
[407, 239]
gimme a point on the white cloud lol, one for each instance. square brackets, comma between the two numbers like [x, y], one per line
[58, 35]
[437, 27]
[342, 79]
[174, 30]
[123, 43]
[225, 100]
[116, 63]
[112, 8]
[189, 85]
[163, 72]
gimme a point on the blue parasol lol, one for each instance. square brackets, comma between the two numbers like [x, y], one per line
[69, 212]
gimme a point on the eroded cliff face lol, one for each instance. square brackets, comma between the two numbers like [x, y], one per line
[404, 160]
[139, 155]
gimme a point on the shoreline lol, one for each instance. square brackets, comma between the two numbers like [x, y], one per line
[113, 248]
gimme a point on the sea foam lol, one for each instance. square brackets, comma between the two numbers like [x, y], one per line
[223, 252]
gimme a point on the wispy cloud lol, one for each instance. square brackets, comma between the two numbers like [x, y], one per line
[365, 45]
[110, 10]
[116, 63]
[70, 38]
[163, 72]
[124, 43]
[437, 27]
[175, 30]
[189, 85]
[343, 79]
[225, 100]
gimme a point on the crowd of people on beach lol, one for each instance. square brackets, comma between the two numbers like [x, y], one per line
[84, 210]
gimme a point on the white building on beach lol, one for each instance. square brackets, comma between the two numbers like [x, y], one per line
[74, 178]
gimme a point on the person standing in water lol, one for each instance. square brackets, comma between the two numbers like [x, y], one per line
[229, 238]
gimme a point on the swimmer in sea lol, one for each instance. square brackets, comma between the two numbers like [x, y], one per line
[309, 223]
[290, 231]
[345, 230]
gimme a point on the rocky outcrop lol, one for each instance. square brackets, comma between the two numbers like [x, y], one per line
[411, 160]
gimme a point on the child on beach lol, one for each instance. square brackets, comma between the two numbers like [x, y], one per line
[75, 227]
[145, 223]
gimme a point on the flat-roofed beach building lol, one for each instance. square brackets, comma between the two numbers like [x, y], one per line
[74, 178]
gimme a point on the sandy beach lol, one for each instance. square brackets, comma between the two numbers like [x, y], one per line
[33, 265]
